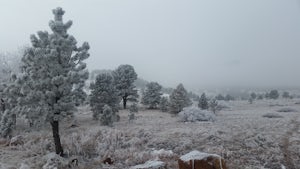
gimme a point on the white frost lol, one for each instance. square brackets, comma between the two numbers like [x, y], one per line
[162, 152]
[150, 164]
[197, 155]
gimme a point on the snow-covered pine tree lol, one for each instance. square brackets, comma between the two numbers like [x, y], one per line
[203, 103]
[10, 64]
[179, 99]
[152, 95]
[134, 108]
[164, 103]
[6, 124]
[213, 105]
[9, 105]
[2, 106]
[103, 92]
[124, 77]
[107, 116]
[253, 95]
[53, 74]
[273, 94]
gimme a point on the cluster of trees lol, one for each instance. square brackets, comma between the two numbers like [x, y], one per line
[273, 94]
[227, 97]
[178, 99]
[205, 104]
[109, 89]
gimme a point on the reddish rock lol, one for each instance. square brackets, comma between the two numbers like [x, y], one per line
[199, 160]
[4, 142]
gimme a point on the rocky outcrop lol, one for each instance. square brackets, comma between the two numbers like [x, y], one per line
[200, 160]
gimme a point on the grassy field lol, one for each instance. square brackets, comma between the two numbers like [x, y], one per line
[241, 135]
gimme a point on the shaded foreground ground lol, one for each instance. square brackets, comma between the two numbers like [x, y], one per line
[240, 135]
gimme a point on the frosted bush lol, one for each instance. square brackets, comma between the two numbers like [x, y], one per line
[192, 114]
[131, 116]
[222, 105]
[134, 108]
[272, 115]
[286, 109]
[108, 116]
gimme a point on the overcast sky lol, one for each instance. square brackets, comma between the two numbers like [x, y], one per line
[194, 42]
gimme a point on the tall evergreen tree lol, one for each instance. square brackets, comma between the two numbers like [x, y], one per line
[164, 103]
[103, 92]
[253, 95]
[273, 94]
[124, 77]
[203, 104]
[152, 95]
[53, 75]
[10, 94]
[9, 107]
[179, 99]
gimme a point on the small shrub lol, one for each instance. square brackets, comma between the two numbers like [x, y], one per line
[286, 110]
[131, 116]
[108, 116]
[272, 115]
[134, 108]
[213, 105]
[250, 100]
[222, 105]
[192, 114]
[285, 94]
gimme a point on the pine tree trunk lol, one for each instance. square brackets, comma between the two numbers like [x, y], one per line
[14, 118]
[124, 102]
[2, 105]
[55, 132]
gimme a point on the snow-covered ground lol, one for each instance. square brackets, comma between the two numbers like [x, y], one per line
[241, 135]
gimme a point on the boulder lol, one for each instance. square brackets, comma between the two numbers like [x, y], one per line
[200, 160]
[54, 161]
[17, 140]
[4, 141]
[151, 165]
[24, 166]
